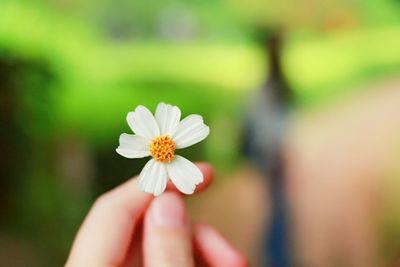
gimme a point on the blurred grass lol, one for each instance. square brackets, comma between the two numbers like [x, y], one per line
[102, 80]
[349, 58]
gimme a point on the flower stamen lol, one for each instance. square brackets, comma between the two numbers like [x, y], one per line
[162, 149]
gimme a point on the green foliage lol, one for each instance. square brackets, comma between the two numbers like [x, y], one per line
[100, 80]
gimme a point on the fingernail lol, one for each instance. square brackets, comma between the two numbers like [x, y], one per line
[168, 210]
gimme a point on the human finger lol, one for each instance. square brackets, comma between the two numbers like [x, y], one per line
[105, 235]
[208, 174]
[167, 237]
[214, 249]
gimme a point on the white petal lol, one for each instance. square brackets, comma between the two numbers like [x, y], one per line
[133, 146]
[184, 174]
[143, 123]
[153, 178]
[190, 131]
[168, 117]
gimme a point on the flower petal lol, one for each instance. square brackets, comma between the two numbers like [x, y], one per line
[167, 117]
[143, 123]
[184, 174]
[133, 146]
[190, 131]
[153, 178]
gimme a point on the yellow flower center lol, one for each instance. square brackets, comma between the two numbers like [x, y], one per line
[162, 149]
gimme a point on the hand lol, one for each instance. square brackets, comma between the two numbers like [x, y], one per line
[127, 227]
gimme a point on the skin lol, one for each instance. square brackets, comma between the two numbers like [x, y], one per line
[127, 227]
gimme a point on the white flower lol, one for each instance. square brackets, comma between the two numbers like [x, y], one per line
[158, 137]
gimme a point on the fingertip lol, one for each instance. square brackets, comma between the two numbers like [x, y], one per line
[206, 168]
[215, 249]
[167, 236]
[208, 173]
[167, 210]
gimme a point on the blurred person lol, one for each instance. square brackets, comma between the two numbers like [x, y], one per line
[325, 170]
[127, 227]
[263, 140]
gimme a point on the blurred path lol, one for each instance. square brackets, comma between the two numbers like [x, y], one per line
[340, 161]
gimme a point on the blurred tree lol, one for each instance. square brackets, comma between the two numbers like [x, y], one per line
[26, 125]
[24, 105]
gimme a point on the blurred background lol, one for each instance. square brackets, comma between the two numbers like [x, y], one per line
[302, 97]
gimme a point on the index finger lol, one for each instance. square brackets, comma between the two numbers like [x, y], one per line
[106, 233]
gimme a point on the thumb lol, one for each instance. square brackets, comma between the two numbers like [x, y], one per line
[167, 238]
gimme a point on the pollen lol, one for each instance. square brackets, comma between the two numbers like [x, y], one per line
[162, 149]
